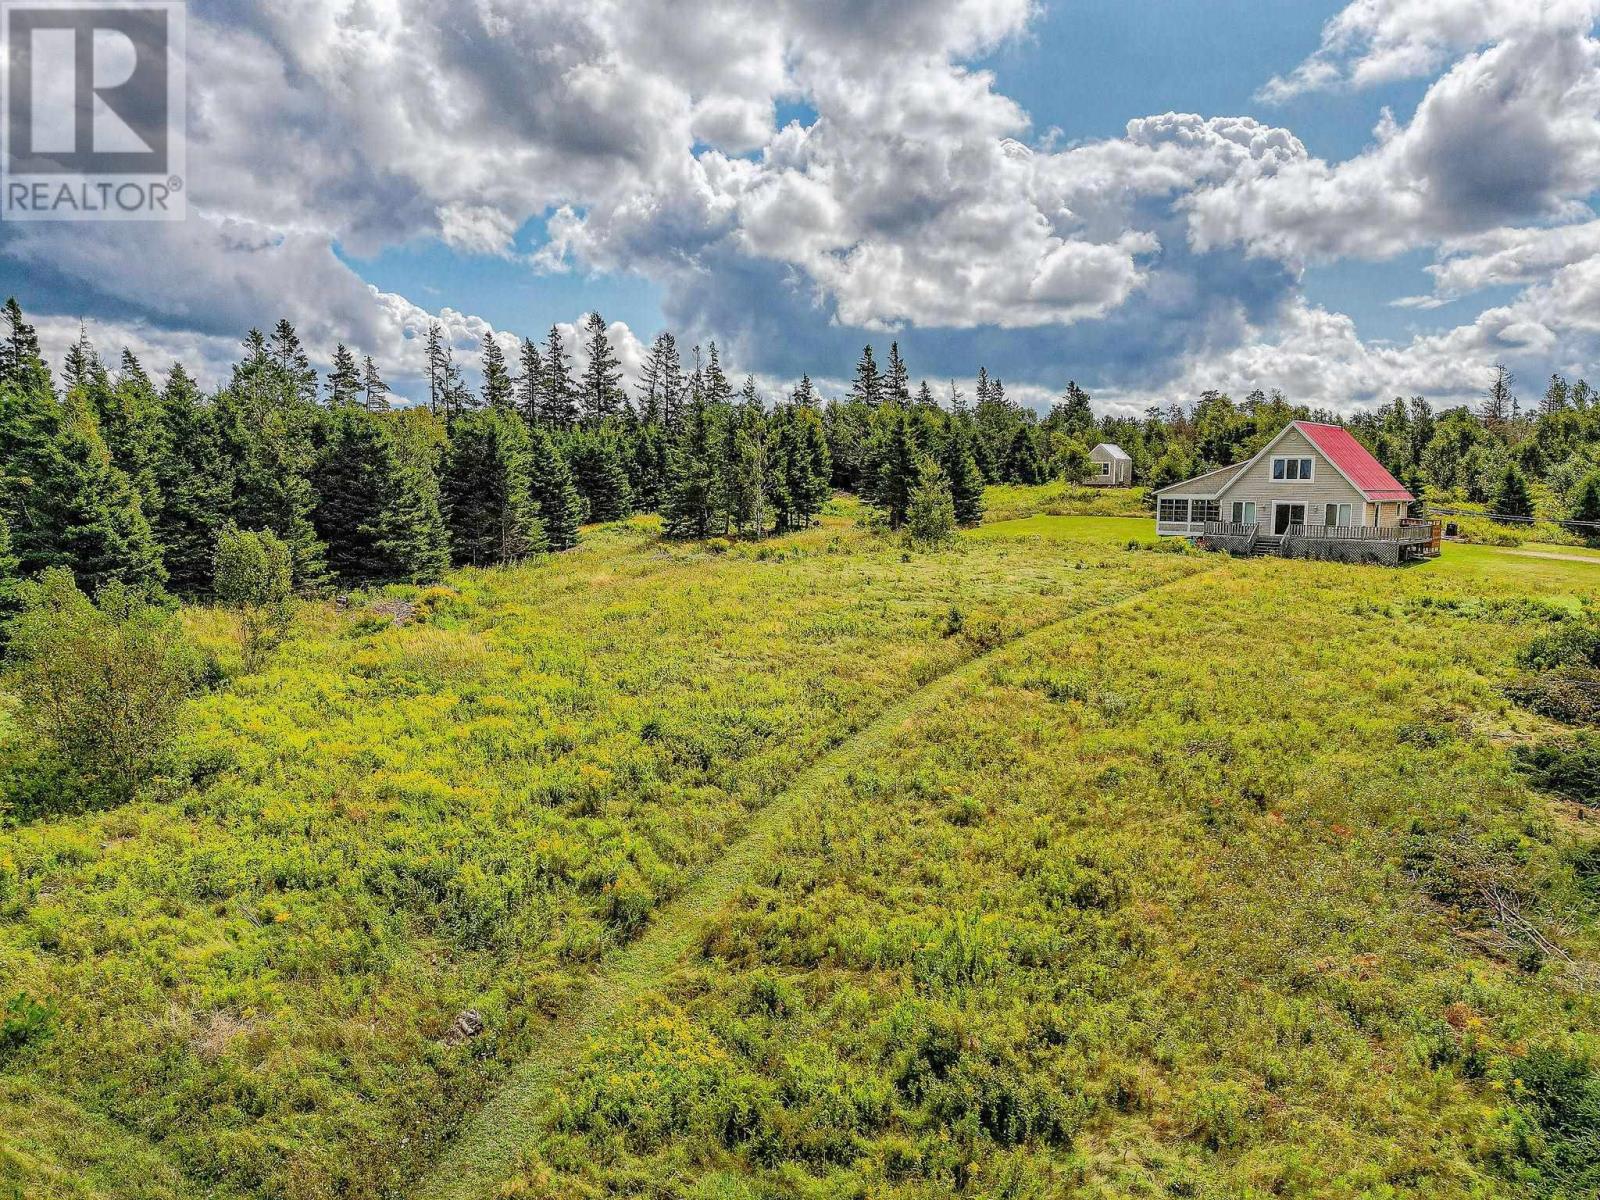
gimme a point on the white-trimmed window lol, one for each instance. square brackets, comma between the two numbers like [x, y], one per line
[1291, 469]
[1174, 512]
[1105, 468]
[1336, 514]
[1201, 511]
[1244, 512]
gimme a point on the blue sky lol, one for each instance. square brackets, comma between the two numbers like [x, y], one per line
[1151, 199]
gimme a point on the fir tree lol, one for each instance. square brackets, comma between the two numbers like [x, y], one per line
[925, 398]
[497, 386]
[374, 391]
[1556, 397]
[804, 394]
[489, 508]
[551, 488]
[344, 380]
[558, 400]
[602, 376]
[867, 387]
[962, 475]
[530, 382]
[600, 473]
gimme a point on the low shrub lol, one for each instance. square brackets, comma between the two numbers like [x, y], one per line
[101, 683]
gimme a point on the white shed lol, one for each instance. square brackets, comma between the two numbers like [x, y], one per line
[1112, 466]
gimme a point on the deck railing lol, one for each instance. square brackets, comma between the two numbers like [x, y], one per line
[1408, 533]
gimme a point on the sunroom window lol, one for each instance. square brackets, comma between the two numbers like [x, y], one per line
[1174, 512]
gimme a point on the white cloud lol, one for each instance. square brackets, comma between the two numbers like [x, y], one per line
[1508, 134]
[1378, 41]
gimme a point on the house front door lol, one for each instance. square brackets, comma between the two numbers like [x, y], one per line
[1285, 515]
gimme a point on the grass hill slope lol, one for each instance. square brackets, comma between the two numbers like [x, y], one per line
[1041, 866]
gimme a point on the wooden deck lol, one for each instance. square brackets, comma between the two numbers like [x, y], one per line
[1412, 538]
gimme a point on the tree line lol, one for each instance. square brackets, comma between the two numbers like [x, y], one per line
[119, 477]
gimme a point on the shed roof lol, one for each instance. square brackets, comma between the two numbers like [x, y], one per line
[1113, 450]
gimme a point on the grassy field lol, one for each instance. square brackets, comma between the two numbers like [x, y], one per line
[1039, 866]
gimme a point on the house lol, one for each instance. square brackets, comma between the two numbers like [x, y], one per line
[1110, 467]
[1310, 487]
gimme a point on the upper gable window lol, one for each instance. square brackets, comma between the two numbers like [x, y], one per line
[1292, 468]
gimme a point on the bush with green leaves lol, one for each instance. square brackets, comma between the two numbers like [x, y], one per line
[101, 683]
[255, 578]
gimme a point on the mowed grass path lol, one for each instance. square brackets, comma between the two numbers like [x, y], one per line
[1118, 907]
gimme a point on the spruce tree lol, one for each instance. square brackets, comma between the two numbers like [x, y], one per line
[196, 481]
[931, 514]
[497, 386]
[21, 364]
[558, 399]
[10, 579]
[438, 355]
[551, 488]
[1023, 464]
[897, 383]
[268, 429]
[128, 411]
[647, 467]
[374, 391]
[718, 390]
[661, 383]
[896, 470]
[602, 376]
[529, 382]
[600, 473]
[1511, 496]
[961, 473]
[690, 501]
[290, 357]
[488, 506]
[1586, 503]
[378, 509]
[867, 387]
[344, 380]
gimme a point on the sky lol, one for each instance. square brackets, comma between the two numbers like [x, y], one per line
[1344, 202]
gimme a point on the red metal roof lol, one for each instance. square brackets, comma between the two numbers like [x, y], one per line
[1340, 448]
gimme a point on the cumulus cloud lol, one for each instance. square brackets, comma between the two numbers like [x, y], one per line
[1507, 135]
[1378, 41]
[917, 202]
